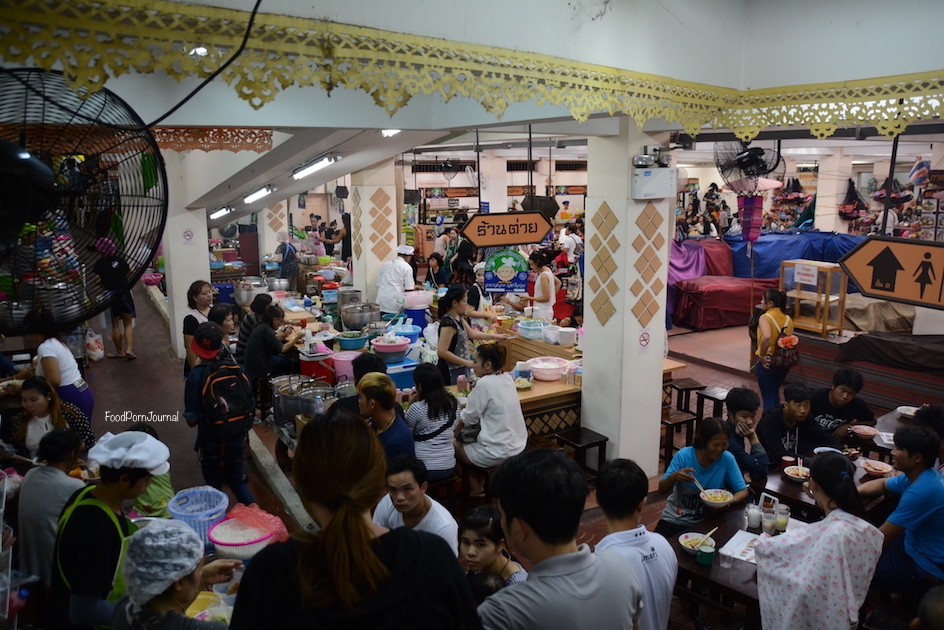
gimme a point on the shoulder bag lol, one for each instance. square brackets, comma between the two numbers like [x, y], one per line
[783, 357]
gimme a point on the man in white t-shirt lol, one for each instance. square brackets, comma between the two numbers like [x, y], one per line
[621, 492]
[568, 244]
[395, 279]
[406, 503]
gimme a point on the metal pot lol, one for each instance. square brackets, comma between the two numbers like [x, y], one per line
[244, 296]
[277, 383]
[345, 389]
[277, 284]
[307, 399]
[290, 400]
[356, 316]
[348, 295]
[256, 281]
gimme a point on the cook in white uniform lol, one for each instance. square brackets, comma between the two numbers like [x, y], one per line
[395, 279]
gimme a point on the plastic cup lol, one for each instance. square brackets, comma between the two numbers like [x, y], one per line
[753, 515]
[769, 522]
[303, 323]
[705, 555]
[783, 517]
[727, 559]
[786, 461]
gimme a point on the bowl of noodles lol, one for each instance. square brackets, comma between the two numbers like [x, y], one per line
[717, 498]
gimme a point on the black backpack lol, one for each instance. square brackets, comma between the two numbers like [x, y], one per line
[228, 403]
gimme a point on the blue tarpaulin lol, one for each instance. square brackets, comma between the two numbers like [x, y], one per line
[771, 249]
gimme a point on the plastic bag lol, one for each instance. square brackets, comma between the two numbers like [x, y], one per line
[431, 333]
[14, 481]
[94, 346]
[254, 516]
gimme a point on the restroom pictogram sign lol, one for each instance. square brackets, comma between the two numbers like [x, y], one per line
[899, 270]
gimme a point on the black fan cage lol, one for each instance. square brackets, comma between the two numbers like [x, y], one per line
[82, 214]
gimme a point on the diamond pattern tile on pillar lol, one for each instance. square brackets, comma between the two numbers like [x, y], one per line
[596, 242]
[649, 221]
[594, 284]
[597, 219]
[612, 287]
[658, 241]
[356, 196]
[613, 243]
[608, 269]
[654, 215]
[382, 250]
[380, 198]
[598, 259]
[655, 264]
[637, 287]
[358, 250]
[639, 309]
[609, 220]
[641, 264]
[657, 286]
[374, 237]
[647, 274]
[602, 308]
[639, 243]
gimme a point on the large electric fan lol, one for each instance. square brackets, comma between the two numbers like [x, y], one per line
[449, 169]
[84, 198]
[748, 171]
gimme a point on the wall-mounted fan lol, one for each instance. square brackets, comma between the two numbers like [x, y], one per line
[748, 171]
[229, 230]
[83, 181]
[449, 169]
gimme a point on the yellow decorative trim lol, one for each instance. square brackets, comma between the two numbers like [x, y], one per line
[213, 139]
[93, 41]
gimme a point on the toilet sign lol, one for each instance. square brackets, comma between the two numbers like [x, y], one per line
[899, 270]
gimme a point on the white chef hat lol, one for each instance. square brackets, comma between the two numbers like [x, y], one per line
[131, 449]
[158, 555]
[405, 250]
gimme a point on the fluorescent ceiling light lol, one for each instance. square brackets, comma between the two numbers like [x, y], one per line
[389, 133]
[199, 51]
[814, 164]
[861, 162]
[311, 168]
[220, 212]
[256, 196]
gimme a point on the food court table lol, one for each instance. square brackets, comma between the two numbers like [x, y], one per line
[889, 423]
[723, 586]
[791, 493]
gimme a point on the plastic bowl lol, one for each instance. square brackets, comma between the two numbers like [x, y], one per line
[217, 265]
[532, 328]
[548, 368]
[716, 498]
[906, 411]
[689, 538]
[409, 331]
[382, 348]
[796, 473]
[418, 299]
[239, 551]
[864, 431]
[151, 279]
[352, 343]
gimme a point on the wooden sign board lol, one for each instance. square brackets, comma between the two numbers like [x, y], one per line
[899, 270]
[510, 228]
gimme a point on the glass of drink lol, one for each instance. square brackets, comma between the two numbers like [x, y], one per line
[753, 515]
[769, 522]
[727, 559]
[303, 322]
[783, 517]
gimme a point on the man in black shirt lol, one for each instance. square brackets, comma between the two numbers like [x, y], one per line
[788, 430]
[836, 408]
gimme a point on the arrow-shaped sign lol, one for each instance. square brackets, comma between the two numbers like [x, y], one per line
[899, 270]
[507, 228]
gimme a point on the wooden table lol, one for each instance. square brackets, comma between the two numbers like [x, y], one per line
[737, 584]
[669, 366]
[889, 423]
[791, 493]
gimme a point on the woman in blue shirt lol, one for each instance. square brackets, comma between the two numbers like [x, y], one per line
[707, 460]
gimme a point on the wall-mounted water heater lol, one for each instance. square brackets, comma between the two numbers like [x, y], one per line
[654, 183]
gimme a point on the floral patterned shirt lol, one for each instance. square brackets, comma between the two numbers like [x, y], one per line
[817, 576]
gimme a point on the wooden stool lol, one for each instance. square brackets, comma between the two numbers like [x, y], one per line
[685, 387]
[444, 491]
[676, 419]
[582, 440]
[467, 470]
[715, 394]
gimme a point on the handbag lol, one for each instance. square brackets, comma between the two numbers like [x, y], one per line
[783, 357]
[469, 434]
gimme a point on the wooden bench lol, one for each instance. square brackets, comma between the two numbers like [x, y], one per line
[581, 440]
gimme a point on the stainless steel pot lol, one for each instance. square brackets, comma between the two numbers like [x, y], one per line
[345, 389]
[348, 295]
[277, 383]
[244, 296]
[290, 398]
[277, 284]
[256, 281]
[307, 399]
[356, 316]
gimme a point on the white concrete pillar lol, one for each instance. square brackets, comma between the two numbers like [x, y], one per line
[186, 256]
[272, 220]
[627, 249]
[374, 222]
[833, 183]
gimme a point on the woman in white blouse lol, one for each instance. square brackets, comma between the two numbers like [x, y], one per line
[493, 405]
[817, 575]
[55, 362]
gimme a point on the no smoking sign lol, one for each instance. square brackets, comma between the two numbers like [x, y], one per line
[644, 338]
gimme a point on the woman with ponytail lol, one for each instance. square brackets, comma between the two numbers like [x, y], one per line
[817, 576]
[352, 573]
[769, 325]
